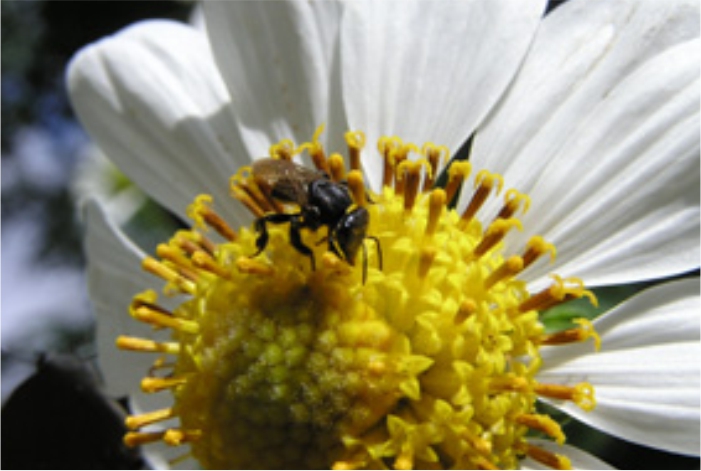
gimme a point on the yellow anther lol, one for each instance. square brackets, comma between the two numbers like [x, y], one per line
[284, 150]
[513, 201]
[467, 308]
[206, 262]
[150, 316]
[510, 383]
[581, 394]
[549, 459]
[337, 167]
[536, 247]
[357, 187]
[387, 146]
[542, 423]
[134, 422]
[134, 439]
[409, 172]
[398, 156]
[511, 267]
[204, 216]
[495, 233]
[436, 205]
[426, 257]
[356, 142]
[436, 155]
[153, 384]
[157, 268]
[175, 437]
[146, 345]
[577, 334]
[484, 183]
[559, 292]
[316, 150]
[253, 267]
[457, 173]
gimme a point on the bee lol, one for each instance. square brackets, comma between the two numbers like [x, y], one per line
[321, 202]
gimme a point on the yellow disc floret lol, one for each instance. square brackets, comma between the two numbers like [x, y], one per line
[422, 356]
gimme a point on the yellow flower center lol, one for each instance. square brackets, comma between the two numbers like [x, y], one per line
[420, 350]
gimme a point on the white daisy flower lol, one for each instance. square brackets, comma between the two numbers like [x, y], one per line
[426, 348]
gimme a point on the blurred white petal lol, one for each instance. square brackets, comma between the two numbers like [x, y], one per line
[276, 58]
[647, 375]
[430, 71]
[152, 99]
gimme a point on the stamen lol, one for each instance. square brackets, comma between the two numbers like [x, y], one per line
[509, 383]
[355, 141]
[542, 423]
[244, 196]
[436, 204]
[436, 155]
[337, 167]
[467, 308]
[176, 437]
[152, 384]
[581, 394]
[357, 187]
[513, 201]
[428, 254]
[480, 445]
[511, 266]
[577, 334]
[548, 458]
[557, 293]
[206, 262]
[181, 263]
[399, 155]
[316, 151]
[387, 147]
[134, 422]
[536, 248]
[484, 463]
[134, 439]
[157, 268]
[457, 173]
[284, 150]
[253, 267]
[410, 173]
[147, 345]
[494, 234]
[150, 316]
[203, 215]
[484, 182]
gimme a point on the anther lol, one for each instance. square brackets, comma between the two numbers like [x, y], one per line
[357, 187]
[175, 437]
[146, 345]
[536, 247]
[426, 257]
[387, 147]
[157, 268]
[284, 150]
[204, 261]
[511, 267]
[480, 445]
[467, 308]
[337, 167]
[542, 423]
[201, 212]
[410, 173]
[577, 334]
[181, 263]
[253, 267]
[435, 156]
[150, 316]
[316, 150]
[355, 141]
[496, 231]
[559, 292]
[245, 196]
[134, 439]
[135, 422]
[436, 204]
[510, 383]
[513, 201]
[484, 182]
[548, 458]
[152, 384]
[457, 173]
[581, 394]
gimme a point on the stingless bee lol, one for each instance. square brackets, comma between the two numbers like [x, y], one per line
[321, 201]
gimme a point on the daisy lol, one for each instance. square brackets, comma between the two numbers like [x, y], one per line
[427, 350]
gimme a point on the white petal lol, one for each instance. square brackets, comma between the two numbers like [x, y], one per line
[580, 459]
[601, 129]
[114, 277]
[647, 375]
[276, 58]
[430, 71]
[152, 98]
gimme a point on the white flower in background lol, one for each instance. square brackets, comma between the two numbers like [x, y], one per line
[592, 111]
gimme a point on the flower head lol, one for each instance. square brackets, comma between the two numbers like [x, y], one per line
[395, 325]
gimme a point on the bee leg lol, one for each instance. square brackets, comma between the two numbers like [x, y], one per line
[296, 240]
[261, 226]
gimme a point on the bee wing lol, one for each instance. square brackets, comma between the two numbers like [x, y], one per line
[284, 180]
